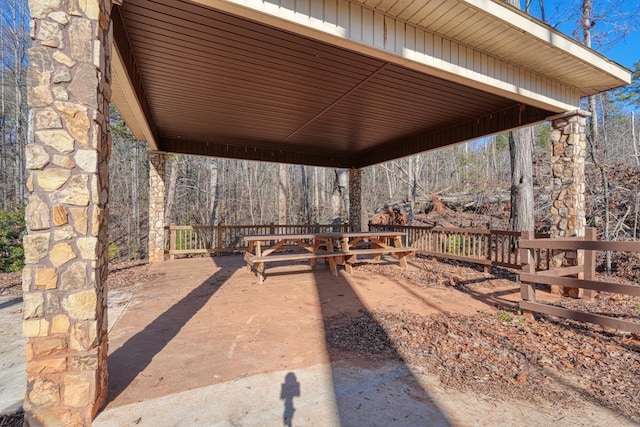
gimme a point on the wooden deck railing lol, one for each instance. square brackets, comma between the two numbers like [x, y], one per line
[220, 239]
[476, 245]
[585, 280]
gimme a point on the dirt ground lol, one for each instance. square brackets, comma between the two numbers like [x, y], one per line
[447, 319]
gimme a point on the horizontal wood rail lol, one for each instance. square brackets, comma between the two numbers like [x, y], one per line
[221, 239]
[583, 279]
[482, 246]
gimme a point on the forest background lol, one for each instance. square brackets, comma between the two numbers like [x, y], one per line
[473, 177]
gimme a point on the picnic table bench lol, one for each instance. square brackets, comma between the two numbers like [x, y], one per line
[335, 248]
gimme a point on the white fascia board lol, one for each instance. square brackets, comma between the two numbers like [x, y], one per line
[136, 120]
[545, 33]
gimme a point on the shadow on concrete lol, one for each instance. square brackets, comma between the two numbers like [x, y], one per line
[10, 302]
[289, 389]
[377, 387]
[137, 353]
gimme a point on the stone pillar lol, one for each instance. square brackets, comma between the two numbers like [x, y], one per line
[568, 140]
[355, 199]
[157, 162]
[65, 300]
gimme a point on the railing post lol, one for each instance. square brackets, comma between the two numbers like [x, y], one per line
[589, 265]
[172, 241]
[218, 240]
[487, 249]
[272, 228]
[527, 257]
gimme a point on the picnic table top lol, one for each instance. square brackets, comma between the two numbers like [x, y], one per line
[333, 235]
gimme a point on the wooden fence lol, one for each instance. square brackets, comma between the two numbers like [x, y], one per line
[529, 244]
[221, 239]
[477, 245]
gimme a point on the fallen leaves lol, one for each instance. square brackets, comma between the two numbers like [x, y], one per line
[500, 354]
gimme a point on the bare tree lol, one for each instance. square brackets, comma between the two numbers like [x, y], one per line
[14, 43]
[521, 156]
[283, 184]
[520, 147]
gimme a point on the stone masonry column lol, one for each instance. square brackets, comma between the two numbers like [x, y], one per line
[157, 162]
[568, 140]
[65, 300]
[355, 199]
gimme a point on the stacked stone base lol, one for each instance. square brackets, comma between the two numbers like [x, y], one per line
[65, 313]
[568, 141]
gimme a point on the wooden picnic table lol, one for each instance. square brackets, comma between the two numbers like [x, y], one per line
[336, 248]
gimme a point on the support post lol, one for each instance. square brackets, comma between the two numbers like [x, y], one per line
[589, 265]
[172, 241]
[355, 200]
[64, 280]
[527, 258]
[157, 164]
[568, 142]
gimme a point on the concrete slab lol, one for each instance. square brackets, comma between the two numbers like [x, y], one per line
[13, 378]
[344, 395]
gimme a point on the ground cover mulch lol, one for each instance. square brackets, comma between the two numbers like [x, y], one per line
[499, 353]
[13, 420]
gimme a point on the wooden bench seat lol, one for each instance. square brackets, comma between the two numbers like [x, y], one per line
[346, 258]
[375, 251]
[351, 256]
[258, 262]
[338, 254]
[292, 257]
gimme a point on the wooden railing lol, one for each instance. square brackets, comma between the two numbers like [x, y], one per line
[476, 245]
[585, 277]
[220, 239]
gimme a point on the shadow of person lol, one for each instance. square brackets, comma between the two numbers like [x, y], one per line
[290, 389]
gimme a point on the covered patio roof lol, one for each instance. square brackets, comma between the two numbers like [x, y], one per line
[339, 83]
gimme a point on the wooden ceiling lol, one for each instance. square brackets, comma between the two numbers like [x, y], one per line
[211, 83]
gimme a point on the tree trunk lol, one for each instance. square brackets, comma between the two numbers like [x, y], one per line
[214, 192]
[3, 153]
[521, 152]
[316, 196]
[636, 154]
[342, 177]
[282, 193]
[413, 187]
[306, 209]
[171, 191]
[340, 196]
[135, 201]
[587, 8]
[521, 155]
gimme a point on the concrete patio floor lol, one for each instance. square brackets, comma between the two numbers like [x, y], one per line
[204, 344]
[207, 337]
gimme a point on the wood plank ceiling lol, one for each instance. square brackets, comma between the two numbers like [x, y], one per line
[220, 85]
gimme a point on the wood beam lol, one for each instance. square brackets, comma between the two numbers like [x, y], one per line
[251, 150]
[493, 123]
